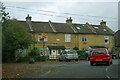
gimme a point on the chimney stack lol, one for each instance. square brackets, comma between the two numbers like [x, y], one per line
[28, 21]
[103, 23]
[28, 18]
[69, 20]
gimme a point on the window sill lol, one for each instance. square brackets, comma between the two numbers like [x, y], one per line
[106, 43]
[67, 42]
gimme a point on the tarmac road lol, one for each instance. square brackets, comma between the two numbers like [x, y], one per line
[83, 70]
[80, 69]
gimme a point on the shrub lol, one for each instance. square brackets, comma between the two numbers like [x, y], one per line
[23, 59]
[80, 52]
[41, 58]
[34, 52]
[31, 60]
[75, 48]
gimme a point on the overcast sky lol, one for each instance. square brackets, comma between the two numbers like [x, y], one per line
[57, 11]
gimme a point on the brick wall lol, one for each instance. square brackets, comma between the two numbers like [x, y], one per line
[76, 40]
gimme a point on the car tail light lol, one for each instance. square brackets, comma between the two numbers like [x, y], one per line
[107, 55]
[89, 54]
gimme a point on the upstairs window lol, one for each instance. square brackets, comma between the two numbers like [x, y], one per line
[96, 27]
[67, 38]
[78, 28]
[84, 38]
[106, 39]
[39, 37]
[104, 29]
[83, 25]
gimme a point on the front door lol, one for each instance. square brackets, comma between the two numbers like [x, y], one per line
[53, 52]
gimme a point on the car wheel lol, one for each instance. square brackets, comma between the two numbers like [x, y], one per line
[111, 62]
[76, 59]
[60, 60]
[113, 57]
[91, 63]
[66, 60]
[87, 59]
[108, 63]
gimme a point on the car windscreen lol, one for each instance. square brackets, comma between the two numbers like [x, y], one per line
[72, 52]
[99, 51]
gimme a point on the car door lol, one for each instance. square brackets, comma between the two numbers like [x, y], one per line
[62, 56]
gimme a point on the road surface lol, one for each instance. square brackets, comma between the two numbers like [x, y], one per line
[80, 69]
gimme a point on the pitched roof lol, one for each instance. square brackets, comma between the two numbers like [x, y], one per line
[62, 27]
[82, 28]
[23, 23]
[65, 28]
[102, 30]
[41, 27]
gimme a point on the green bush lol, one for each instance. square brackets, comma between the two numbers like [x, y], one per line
[31, 60]
[80, 52]
[34, 52]
[41, 58]
[8, 56]
[33, 56]
[23, 59]
[75, 48]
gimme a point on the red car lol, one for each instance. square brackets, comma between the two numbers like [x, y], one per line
[100, 55]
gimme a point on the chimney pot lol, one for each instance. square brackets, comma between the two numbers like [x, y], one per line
[102, 20]
[86, 22]
[69, 21]
[28, 15]
[28, 21]
[103, 23]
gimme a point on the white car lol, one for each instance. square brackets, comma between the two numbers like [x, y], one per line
[68, 55]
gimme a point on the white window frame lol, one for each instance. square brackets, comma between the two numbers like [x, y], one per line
[84, 38]
[96, 27]
[41, 51]
[78, 28]
[104, 29]
[40, 37]
[67, 38]
[106, 38]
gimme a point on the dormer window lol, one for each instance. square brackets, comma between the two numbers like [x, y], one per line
[78, 28]
[104, 29]
[83, 25]
[96, 27]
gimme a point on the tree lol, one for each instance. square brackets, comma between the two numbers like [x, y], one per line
[14, 36]
[3, 15]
